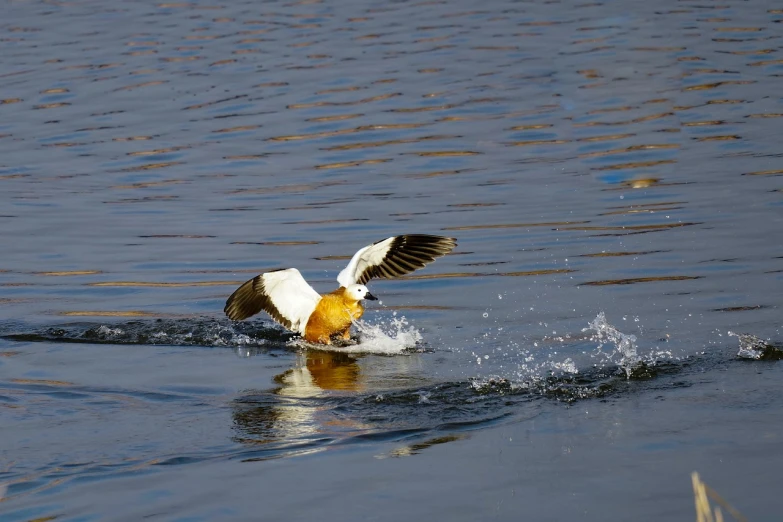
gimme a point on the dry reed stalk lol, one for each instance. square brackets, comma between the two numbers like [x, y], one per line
[702, 494]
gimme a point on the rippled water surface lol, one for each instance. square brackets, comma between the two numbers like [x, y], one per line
[609, 323]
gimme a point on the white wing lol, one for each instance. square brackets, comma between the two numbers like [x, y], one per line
[283, 294]
[394, 256]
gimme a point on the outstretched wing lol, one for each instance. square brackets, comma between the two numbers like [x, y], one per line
[395, 256]
[283, 294]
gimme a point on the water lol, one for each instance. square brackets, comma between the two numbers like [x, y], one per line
[609, 323]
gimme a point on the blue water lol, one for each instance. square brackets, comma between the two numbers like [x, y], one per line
[599, 164]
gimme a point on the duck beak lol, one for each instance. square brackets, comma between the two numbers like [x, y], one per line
[369, 296]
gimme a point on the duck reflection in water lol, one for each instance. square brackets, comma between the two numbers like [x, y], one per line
[302, 406]
[322, 370]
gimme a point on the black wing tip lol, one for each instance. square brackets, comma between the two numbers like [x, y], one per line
[236, 314]
[250, 298]
[428, 239]
[425, 243]
[244, 302]
[431, 237]
[408, 253]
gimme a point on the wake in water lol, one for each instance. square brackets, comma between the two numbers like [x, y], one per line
[176, 332]
[387, 338]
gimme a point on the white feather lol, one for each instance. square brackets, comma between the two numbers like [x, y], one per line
[289, 300]
[370, 255]
[293, 297]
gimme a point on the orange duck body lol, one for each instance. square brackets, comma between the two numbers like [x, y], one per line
[333, 315]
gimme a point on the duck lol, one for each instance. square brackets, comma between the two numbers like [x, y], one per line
[290, 300]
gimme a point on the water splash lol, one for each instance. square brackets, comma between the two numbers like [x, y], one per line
[393, 338]
[755, 348]
[623, 345]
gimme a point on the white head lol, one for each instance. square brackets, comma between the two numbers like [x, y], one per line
[359, 292]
